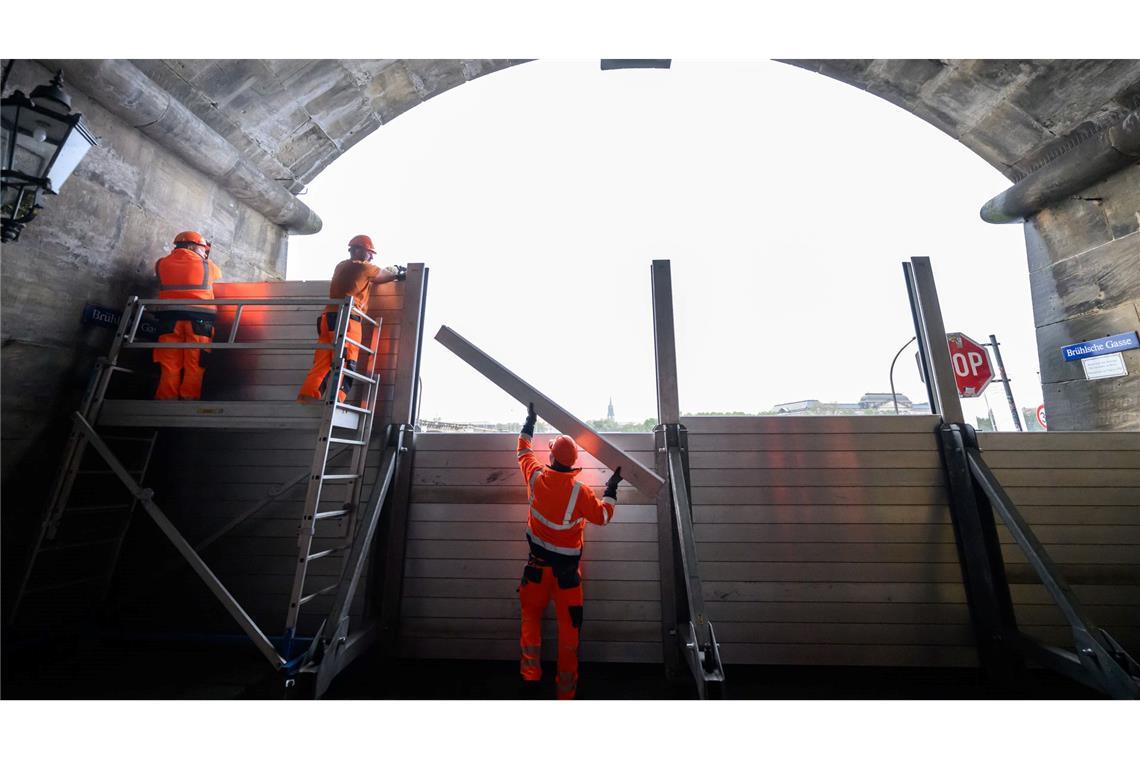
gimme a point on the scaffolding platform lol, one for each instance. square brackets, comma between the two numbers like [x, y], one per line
[224, 415]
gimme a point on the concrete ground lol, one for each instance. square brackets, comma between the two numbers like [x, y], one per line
[118, 669]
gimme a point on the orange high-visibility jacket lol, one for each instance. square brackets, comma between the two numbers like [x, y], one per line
[559, 504]
[184, 274]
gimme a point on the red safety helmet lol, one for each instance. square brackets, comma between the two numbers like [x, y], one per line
[564, 449]
[192, 237]
[364, 242]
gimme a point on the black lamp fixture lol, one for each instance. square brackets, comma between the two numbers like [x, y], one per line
[43, 143]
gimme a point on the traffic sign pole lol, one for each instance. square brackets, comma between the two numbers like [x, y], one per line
[1005, 381]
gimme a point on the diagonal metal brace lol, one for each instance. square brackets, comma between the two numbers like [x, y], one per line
[145, 497]
[696, 635]
[1105, 664]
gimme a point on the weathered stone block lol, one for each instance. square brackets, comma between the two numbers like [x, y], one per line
[1121, 204]
[1108, 404]
[905, 77]
[1050, 338]
[435, 75]
[171, 188]
[1097, 280]
[1064, 93]
[962, 97]
[1071, 227]
[392, 91]
[306, 151]
[1003, 136]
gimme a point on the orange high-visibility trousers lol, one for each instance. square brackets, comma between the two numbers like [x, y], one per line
[539, 585]
[182, 368]
[314, 385]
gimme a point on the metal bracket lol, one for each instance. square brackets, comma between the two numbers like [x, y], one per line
[1100, 662]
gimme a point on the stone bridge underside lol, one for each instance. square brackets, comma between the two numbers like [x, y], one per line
[225, 146]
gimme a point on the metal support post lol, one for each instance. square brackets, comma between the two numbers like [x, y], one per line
[1005, 382]
[394, 538]
[668, 413]
[979, 552]
[687, 633]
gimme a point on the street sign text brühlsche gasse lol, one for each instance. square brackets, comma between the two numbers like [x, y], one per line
[1109, 345]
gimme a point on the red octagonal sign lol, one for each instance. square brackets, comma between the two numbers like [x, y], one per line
[971, 362]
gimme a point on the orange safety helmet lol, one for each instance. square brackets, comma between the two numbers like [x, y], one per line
[564, 449]
[192, 237]
[364, 242]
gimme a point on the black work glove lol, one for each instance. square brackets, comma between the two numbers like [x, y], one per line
[612, 484]
[531, 418]
[401, 273]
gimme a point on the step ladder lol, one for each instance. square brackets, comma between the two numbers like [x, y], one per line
[321, 479]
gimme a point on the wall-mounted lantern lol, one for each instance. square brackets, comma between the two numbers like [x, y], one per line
[43, 143]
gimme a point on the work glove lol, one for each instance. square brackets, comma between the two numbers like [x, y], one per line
[401, 273]
[531, 418]
[612, 484]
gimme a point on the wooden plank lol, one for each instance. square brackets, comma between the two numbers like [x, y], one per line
[813, 460]
[879, 495]
[788, 442]
[598, 550]
[508, 650]
[826, 478]
[1001, 460]
[837, 426]
[828, 613]
[507, 568]
[825, 552]
[506, 441]
[481, 628]
[506, 459]
[881, 533]
[507, 588]
[644, 479]
[868, 655]
[508, 531]
[1059, 441]
[839, 633]
[848, 572]
[508, 609]
[503, 494]
[1024, 496]
[514, 512]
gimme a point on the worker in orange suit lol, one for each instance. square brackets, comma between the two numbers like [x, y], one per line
[185, 273]
[352, 277]
[559, 508]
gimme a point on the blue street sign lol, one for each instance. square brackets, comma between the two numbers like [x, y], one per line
[101, 316]
[1111, 345]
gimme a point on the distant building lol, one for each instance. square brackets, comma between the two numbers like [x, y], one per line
[610, 411]
[869, 403]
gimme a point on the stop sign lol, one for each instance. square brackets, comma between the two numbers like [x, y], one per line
[971, 362]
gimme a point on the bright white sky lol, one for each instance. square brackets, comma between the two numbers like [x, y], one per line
[539, 195]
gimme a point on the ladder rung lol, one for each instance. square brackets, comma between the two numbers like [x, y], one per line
[76, 544]
[331, 514]
[339, 478]
[360, 377]
[361, 346]
[360, 409]
[63, 584]
[315, 594]
[326, 552]
[348, 442]
[117, 368]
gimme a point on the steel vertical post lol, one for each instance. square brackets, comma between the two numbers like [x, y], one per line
[1005, 381]
[668, 413]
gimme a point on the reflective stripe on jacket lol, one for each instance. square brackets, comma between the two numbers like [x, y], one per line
[184, 274]
[559, 505]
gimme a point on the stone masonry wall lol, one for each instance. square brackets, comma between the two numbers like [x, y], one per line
[1084, 274]
[96, 242]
